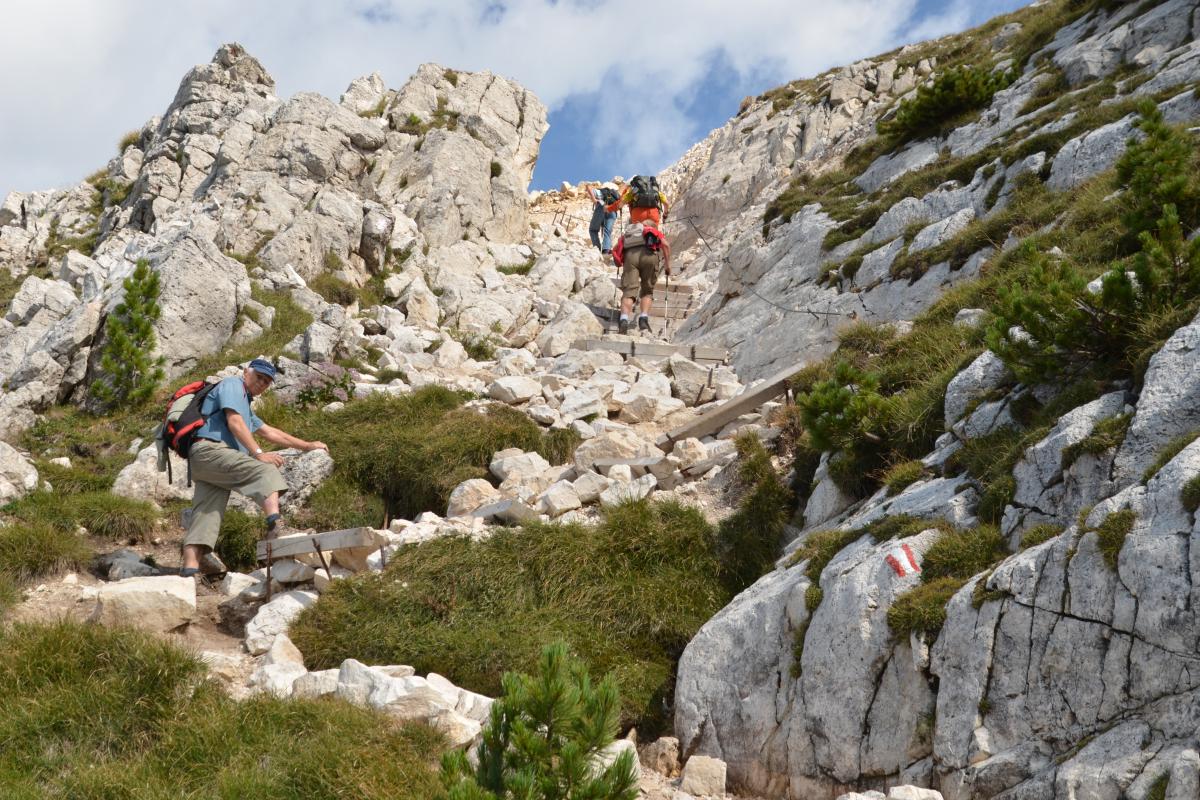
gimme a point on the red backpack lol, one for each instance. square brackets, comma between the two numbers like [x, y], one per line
[181, 422]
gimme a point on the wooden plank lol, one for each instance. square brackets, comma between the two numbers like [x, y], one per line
[731, 409]
[661, 286]
[644, 461]
[652, 349]
[330, 540]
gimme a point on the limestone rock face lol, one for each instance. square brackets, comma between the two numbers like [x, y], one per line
[1166, 407]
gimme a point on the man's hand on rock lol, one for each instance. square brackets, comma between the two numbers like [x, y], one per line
[317, 446]
[273, 459]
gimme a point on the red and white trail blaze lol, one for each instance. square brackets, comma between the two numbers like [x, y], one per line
[902, 560]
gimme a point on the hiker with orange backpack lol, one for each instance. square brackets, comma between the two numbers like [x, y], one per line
[215, 432]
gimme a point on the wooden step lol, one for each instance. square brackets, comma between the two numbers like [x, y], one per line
[695, 352]
[732, 408]
[662, 286]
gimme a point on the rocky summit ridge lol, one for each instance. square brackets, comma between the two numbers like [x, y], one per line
[399, 222]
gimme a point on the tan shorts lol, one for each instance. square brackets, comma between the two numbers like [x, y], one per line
[216, 471]
[640, 272]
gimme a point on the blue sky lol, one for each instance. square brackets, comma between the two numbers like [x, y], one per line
[569, 152]
[76, 74]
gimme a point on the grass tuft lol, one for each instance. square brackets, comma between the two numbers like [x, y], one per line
[626, 594]
[1189, 495]
[903, 475]
[1108, 434]
[923, 608]
[96, 712]
[1111, 535]
[1168, 452]
[1039, 534]
[411, 451]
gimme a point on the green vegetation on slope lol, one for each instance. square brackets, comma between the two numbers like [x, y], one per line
[626, 594]
[92, 712]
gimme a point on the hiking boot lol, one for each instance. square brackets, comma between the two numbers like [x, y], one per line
[623, 325]
[212, 566]
[643, 323]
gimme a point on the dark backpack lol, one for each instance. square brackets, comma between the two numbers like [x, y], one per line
[645, 191]
[608, 196]
[182, 420]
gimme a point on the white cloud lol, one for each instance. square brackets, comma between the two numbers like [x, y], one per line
[76, 74]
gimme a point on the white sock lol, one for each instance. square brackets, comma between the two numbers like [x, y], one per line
[625, 317]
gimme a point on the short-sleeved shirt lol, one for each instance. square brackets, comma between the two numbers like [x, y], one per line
[230, 394]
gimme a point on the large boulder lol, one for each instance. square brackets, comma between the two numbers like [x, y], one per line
[17, 476]
[572, 322]
[156, 604]
[201, 294]
[621, 443]
[1167, 406]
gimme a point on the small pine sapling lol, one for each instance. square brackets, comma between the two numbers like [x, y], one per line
[544, 740]
[130, 371]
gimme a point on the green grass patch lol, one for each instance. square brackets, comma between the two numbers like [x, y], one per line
[333, 288]
[518, 269]
[819, 549]
[952, 560]
[1108, 434]
[1158, 789]
[237, 540]
[900, 476]
[1111, 535]
[626, 595]
[1168, 452]
[1039, 534]
[962, 554]
[922, 609]
[995, 497]
[32, 550]
[73, 479]
[411, 451]
[901, 526]
[750, 537]
[1189, 495]
[110, 516]
[94, 712]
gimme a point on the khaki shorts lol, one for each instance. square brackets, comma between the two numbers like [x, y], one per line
[640, 272]
[218, 469]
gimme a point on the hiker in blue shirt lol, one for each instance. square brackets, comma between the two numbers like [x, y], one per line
[602, 218]
[225, 457]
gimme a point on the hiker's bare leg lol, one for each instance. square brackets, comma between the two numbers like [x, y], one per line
[626, 306]
[647, 301]
[270, 505]
[191, 556]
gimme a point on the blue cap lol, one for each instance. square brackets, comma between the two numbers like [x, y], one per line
[264, 367]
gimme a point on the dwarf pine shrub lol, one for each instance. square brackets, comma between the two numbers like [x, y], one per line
[953, 92]
[1049, 324]
[543, 739]
[129, 371]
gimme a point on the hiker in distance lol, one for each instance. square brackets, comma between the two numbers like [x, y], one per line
[602, 218]
[642, 250]
[225, 457]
